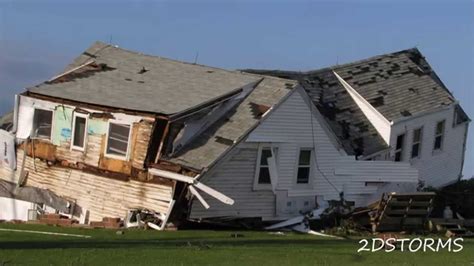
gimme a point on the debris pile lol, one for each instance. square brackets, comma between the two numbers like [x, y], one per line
[108, 223]
[56, 219]
[397, 212]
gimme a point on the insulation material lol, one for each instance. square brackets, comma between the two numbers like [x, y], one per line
[97, 126]
[7, 150]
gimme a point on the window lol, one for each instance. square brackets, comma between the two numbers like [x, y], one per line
[304, 166]
[263, 170]
[42, 124]
[117, 140]
[416, 145]
[439, 132]
[79, 131]
[399, 148]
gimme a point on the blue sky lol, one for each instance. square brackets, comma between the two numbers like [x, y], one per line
[38, 39]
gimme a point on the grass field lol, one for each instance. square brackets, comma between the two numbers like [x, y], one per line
[138, 247]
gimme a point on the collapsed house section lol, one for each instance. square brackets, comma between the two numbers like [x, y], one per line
[95, 159]
[110, 137]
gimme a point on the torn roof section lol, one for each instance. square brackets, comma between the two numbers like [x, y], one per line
[351, 126]
[212, 144]
[347, 121]
[113, 77]
[398, 85]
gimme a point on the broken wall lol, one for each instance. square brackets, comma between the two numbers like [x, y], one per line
[102, 185]
[59, 147]
[100, 195]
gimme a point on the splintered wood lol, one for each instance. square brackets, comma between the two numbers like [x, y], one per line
[399, 212]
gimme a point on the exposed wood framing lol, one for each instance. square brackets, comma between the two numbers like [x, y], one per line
[162, 140]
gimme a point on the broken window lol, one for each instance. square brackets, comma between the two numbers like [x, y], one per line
[42, 124]
[79, 131]
[263, 170]
[416, 145]
[399, 148]
[304, 166]
[117, 139]
[439, 134]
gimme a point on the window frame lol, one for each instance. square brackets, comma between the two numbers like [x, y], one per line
[73, 131]
[419, 142]
[274, 150]
[399, 150]
[115, 156]
[442, 135]
[50, 138]
[310, 166]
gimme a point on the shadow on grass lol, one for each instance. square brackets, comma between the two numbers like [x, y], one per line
[165, 243]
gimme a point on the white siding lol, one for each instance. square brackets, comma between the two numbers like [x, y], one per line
[288, 127]
[234, 178]
[437, 168]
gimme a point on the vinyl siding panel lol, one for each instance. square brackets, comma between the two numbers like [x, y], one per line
[235, 178]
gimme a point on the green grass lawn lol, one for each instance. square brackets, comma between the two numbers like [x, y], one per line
[139, 247]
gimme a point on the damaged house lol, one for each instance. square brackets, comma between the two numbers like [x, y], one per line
[391, 107]
[119, 130]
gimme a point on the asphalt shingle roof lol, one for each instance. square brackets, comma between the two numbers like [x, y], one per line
[134, 81]
[398, 85]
